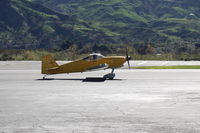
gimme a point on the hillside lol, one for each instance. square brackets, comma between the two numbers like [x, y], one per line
[157, 21]
[30, 25]
[57, 24]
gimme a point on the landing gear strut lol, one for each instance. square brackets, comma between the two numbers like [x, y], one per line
[110, 75]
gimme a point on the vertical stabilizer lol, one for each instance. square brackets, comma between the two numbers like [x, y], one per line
[48, 63]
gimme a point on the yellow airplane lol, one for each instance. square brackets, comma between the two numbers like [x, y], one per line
[94, 61]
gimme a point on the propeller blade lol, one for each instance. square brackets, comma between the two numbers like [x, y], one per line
[129, 67]
[126, 53]
[128, 58]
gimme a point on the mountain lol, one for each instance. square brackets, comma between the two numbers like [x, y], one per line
[56, 24]
[29, 25]
[157, 21]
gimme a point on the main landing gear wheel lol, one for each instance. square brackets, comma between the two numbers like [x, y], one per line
[110, 75]
[44, 77]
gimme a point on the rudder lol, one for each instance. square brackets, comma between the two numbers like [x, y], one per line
[48, 63]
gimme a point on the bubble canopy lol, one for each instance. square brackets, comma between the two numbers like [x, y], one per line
[94, 56]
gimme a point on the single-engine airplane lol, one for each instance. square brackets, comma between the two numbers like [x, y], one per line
[94, 61]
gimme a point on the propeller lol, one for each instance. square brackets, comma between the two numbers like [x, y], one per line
[128, 58]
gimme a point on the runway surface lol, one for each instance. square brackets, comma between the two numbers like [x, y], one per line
[143, 101]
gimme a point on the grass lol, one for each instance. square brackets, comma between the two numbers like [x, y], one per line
[168, 67]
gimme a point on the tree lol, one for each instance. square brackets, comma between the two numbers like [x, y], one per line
[149, 49]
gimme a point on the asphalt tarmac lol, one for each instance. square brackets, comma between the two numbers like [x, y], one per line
[141, 101]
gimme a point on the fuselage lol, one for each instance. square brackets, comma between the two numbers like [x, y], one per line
[92, 62]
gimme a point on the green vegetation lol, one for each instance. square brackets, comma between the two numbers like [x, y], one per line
[167, 67]
[158, 21]
[35, 55]
[74, 52]
[152, 29]
[33, 26]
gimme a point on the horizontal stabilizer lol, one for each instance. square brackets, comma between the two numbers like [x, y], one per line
[53, 68]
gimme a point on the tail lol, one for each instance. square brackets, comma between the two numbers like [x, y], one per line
[48, 63]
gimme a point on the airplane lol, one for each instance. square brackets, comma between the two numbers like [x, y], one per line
[92, 62]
